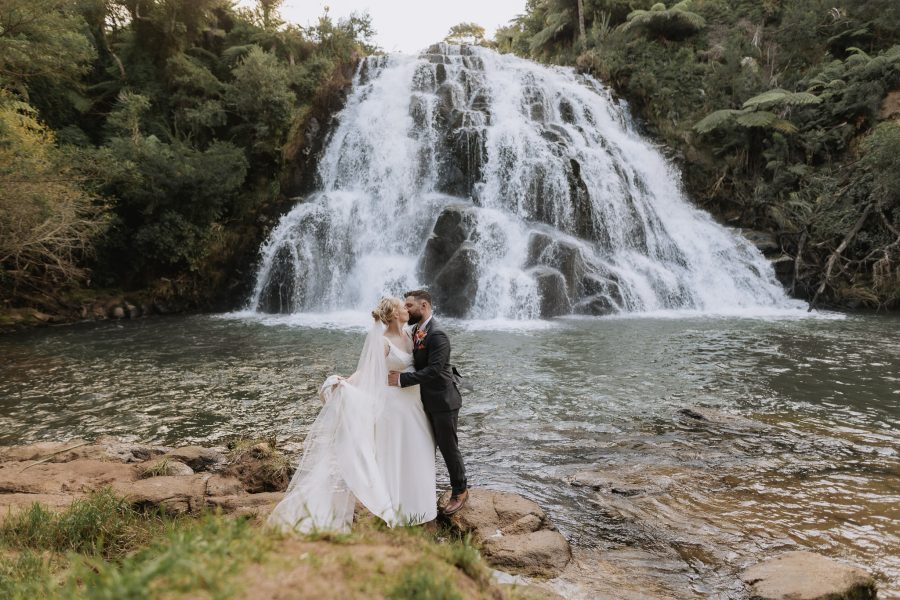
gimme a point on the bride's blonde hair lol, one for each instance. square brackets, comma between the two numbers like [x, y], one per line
[386, 310]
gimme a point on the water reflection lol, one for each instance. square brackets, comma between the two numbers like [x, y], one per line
[800, 449]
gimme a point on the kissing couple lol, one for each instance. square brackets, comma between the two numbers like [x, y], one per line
[374, 439]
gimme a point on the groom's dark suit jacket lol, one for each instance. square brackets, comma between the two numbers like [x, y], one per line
[433, 373]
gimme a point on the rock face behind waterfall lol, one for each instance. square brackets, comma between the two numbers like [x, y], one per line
[511, 190]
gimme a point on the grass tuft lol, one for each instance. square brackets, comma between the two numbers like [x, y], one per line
[157, 469]
[423, 581]
[198, 558]
[102, 524]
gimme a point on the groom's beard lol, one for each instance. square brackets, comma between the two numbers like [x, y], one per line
[413, 319]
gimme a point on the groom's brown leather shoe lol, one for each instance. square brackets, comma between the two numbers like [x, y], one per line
[456, 502]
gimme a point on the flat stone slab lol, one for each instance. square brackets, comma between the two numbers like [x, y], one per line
[55, 474]
[808, 576]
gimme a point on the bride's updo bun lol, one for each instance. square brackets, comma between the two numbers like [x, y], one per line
[386, 310]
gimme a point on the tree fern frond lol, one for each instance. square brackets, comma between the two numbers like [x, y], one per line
[715, 119]
[784, 126]
[858, 52]
[757, 118]
[780, 97]
[556, 22]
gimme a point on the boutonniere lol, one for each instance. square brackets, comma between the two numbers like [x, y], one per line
[420, 339]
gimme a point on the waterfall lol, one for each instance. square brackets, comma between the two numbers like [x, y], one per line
[507, 188]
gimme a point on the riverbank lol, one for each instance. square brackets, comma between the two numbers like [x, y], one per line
[83, 519]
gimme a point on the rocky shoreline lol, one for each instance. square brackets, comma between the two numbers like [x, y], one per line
[514, 534]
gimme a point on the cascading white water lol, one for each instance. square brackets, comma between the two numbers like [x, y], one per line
[511, 190]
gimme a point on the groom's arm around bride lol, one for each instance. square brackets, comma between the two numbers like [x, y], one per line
[440, 395]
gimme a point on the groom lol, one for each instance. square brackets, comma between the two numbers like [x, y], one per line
[440, 396]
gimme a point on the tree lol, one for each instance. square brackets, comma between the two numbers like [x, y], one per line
[48, 224]
[581, 34]
[42, 38]
[261, 97]
[466, 33]
[674, 23]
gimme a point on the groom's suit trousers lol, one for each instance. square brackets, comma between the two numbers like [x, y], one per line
[444, 426]
[440, 397]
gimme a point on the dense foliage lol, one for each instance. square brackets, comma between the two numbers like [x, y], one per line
[782, 113]
[136, 134]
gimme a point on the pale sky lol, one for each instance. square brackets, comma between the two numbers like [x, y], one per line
[408, 25]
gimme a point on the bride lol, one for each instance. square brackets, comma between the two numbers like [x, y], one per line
[370, 443]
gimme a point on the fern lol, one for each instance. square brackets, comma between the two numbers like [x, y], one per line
[673, 23]
[760, 118]
[556, 23]
[780, 97]
[715, 120]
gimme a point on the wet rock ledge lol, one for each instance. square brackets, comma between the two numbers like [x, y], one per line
[514, 533]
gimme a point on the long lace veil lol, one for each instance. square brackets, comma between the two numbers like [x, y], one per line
[338, 465]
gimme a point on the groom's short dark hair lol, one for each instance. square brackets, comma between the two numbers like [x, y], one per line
[421, 295]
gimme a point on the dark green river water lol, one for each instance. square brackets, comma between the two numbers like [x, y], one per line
[802, 449]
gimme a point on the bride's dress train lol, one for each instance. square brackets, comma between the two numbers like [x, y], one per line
[370, 443]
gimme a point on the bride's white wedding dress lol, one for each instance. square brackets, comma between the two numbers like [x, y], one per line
[404, 448]
[370, 443]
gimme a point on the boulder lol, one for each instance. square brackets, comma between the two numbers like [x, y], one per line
[456, 284]
[552, 293]
[541, 553]
[764, 241]
[127, 452]
[166, 467]
[197, 458]
[514, 533]
[175, 494]
[808, 576]
[563, 255]
[596, 305]
[784, 269]
[453, 227]
[450, 262]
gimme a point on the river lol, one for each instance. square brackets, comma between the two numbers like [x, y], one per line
[800, 452]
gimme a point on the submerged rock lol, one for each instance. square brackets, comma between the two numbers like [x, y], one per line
[808, 576]
[515, 533]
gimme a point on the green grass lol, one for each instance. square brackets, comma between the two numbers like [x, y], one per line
[26, 575]
[157, 469]
[100, 525]
[102, 548]
[198, 558]
[423, 582]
